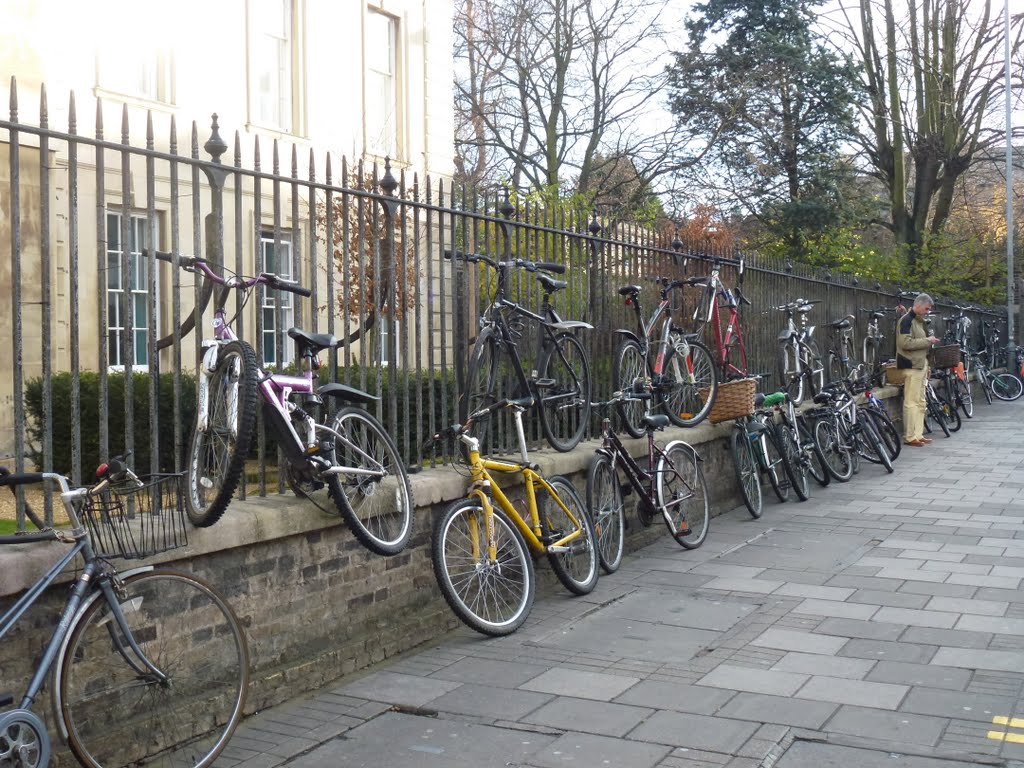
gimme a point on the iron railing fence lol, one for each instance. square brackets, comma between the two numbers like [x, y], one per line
[87, 303]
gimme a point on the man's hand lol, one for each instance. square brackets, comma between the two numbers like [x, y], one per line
[933, 340]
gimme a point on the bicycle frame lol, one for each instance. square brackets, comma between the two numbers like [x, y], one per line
[641, 480]
[733, 335]
[662, 313]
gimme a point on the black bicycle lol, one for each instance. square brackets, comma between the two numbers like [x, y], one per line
[560, 384]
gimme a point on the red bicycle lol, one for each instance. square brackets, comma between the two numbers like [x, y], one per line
[728, 342]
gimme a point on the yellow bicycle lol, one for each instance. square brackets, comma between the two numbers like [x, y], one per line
[482, 545]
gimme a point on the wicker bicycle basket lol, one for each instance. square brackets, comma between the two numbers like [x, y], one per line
[734, 399]
[945, 356]
[136, 519]
[894, 376]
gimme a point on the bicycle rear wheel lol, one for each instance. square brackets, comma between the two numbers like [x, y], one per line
[1006, 386]
[774, 464]
[117, 711]
[577, 566]
[217, 453]
[684, 379]
[837, 457]
[747, 470]
[482, 385]
[793, 461]
[682, 494]
[565, 398]
[965, 398]
[886, 429]
[492, 596]
[816, 461]
[629, 366]
[377, 506]
[604, 500]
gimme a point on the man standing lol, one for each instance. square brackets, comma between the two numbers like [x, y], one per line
[912, 345]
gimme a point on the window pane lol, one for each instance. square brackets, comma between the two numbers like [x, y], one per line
[381, 90]
[271, 62]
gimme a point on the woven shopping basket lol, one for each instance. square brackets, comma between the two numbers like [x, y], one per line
[734, 399]
[944, 356]
[894, 377]
[136, 518]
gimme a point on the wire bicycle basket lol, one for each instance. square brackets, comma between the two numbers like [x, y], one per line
[134, 520]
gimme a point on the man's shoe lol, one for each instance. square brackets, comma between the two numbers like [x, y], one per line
[926, 440]
[915, 443]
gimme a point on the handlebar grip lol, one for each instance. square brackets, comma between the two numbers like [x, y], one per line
[170, 258]
[289, 286]
[298, 290]
[550, 266]
[12, 479]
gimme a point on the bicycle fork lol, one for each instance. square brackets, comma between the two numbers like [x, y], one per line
[206, 371]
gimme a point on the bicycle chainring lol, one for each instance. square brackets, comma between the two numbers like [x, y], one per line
[644, 513]
[24, 742]
[306, 487]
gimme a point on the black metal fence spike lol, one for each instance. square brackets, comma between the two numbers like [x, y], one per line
[506, 208]
[788, 266]
[388, 183]
[215, 146]
[13, 102]
[595, 226]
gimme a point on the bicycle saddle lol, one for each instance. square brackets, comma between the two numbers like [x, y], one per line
[313, 341]
[656, 421]
[697, 281]
[550, 284]
[629, 290]
[840, 324]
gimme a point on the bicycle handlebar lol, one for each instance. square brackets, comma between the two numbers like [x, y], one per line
[194, 263]
[529, 266]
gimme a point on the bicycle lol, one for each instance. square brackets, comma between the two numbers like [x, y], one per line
[560, 384]
[757, 454]
[1004, 385]
[352, 455]
[955, 389]
[797, 453]
[941, 411]
[799, 360]
[717, 297]
[680, 371]
[840, 349]
[672, 485]
[481, 545]
[148, 665]
[871, 344]
[857, 428]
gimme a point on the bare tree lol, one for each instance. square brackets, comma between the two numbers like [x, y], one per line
[550, 91]
[932, 71]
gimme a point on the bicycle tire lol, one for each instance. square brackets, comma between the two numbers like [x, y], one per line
[493, 598]
[886, 429]
[775, 465]
[816, 462]
[950, 414]
[934, 412]
[579, 567]
[680, 395]
[869, 349]
[965, 398]
[986, 385]
[838, 462]
[630, 365]
[875, 445]
[216, 459]
[481, 385]
[747, 472]
[813, 368]
[792, 461]
[607, 510]
[565, 406]
[791, 379]
[851, 444]
[378, 510]
[117, 714]
[1007, 387]
[682, 494]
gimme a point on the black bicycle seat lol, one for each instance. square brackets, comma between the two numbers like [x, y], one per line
[656, 421]
[550, 284]
[629, 290]
[313, 341]
[697, 281]
[840, 324]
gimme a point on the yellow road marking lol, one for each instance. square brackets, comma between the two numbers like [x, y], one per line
[1012, 722]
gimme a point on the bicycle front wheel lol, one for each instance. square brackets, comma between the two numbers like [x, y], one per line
[482, 384]
[774, 463]
[565, 394]
[576, 562]
[604, 500]
[630, 365]
[965, 399]
[747, 470]
[815, 460]
[689, 383]
[793, 461]
[491, 595]
[1006, 386]
[374, 495]
[683, 495]
[218, 450]
[838, 462]
[164, 688]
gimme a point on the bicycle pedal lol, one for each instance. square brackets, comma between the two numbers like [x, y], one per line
[544, 383]
[6, 699]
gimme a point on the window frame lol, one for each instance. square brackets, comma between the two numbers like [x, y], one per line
[294, 110]
[268, 305]
[139, 227]
[393, 147]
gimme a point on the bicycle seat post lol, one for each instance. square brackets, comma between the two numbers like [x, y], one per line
[517, 413]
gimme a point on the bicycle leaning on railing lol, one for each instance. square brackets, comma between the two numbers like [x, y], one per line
[560, 385]
[800, 367]
[149, 665]
[351, 453]
[671, 485]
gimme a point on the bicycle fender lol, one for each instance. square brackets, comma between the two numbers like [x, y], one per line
[692, 450]
[348, 394]
[786, 335]
[628, 335]
[570, 325]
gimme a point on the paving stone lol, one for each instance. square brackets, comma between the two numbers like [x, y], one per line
[600, 717]
[678, 697]
[858, 692]
[1004, 661]
[995, 624]
[502, 674]
[907, 574]
[753, 680]
[814, 591]
[716, 734]
[868, 630]
[894, 599]
[916, 618]
[575, 682]
[863, 582]
[927, 675]
[778, 709]
[953, 637]
[727, 570]
[815, 664]
[486, 701]
[726, 584]
[945, 590]
[996, 582]
[888, 651]
[836, 609]
[971, 606]
[582, 749]
[395, 688]
[957, 704]
[791, 640]
[898, 727]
